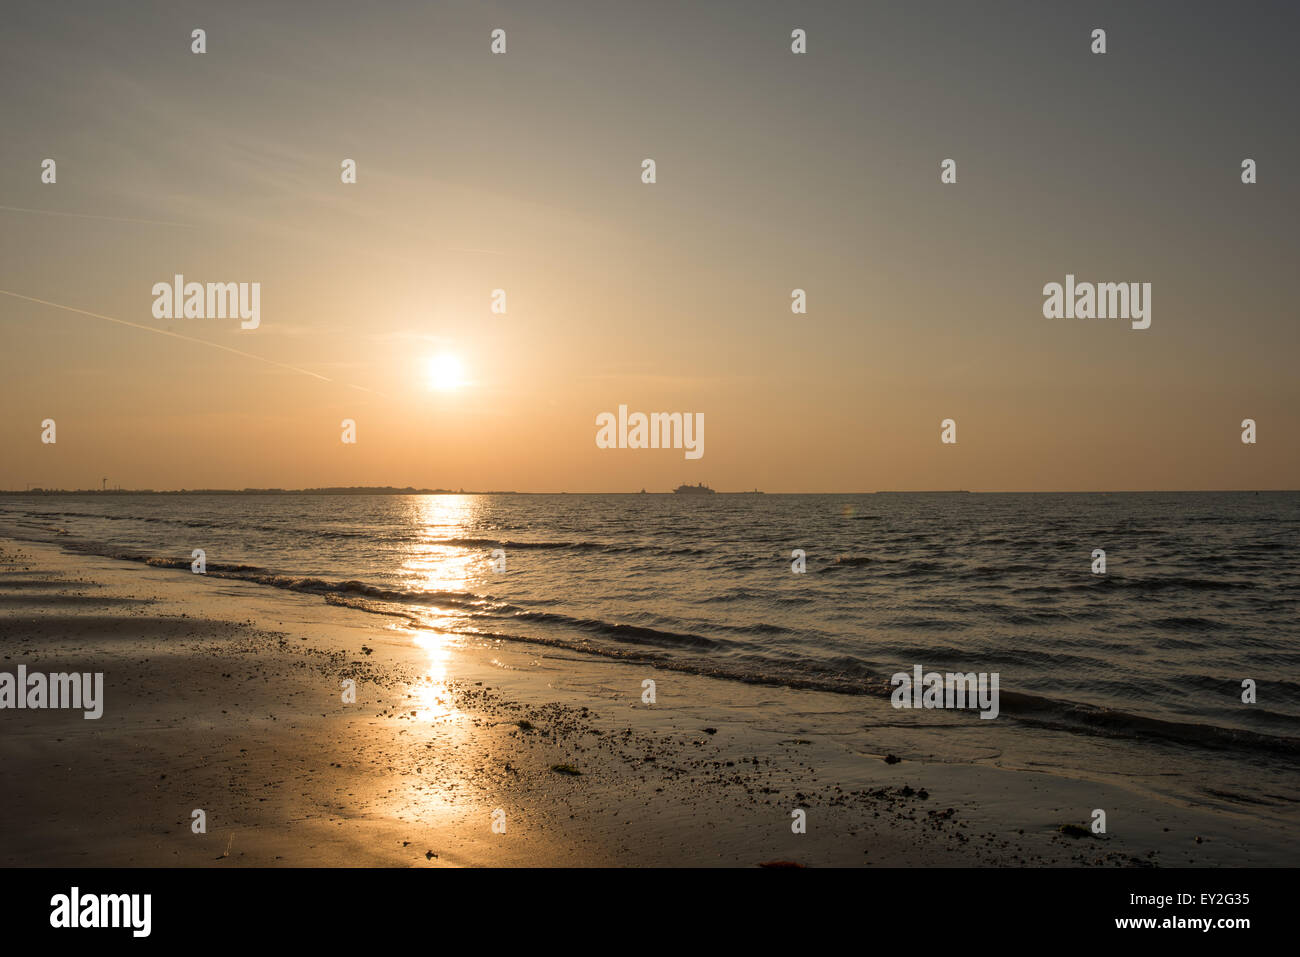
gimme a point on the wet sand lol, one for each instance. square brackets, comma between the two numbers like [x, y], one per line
[226, 696]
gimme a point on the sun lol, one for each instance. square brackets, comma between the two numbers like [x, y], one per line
[445, 373]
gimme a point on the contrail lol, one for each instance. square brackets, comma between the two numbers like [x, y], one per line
[116, 219]
[177, 335]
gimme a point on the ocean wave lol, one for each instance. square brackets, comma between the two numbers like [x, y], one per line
[634, 634]
[1074, 716]
[1032, 709]
[574, 546]
[258, 575]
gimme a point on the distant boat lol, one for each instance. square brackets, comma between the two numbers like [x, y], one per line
[700, 489]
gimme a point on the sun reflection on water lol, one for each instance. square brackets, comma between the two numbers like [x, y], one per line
[441, 561]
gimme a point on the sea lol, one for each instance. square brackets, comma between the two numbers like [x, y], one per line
[1199, 599]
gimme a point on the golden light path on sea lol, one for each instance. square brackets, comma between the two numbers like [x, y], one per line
[439, 562]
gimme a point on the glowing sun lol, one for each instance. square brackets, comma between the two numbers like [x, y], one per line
[445, 373]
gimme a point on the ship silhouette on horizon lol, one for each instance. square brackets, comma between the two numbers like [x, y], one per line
[700, 489]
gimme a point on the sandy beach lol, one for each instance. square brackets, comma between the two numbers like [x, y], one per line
[225, 696]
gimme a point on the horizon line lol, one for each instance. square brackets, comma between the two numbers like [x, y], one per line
[413, 490]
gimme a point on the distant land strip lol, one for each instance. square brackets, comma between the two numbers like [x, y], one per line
[409, 490]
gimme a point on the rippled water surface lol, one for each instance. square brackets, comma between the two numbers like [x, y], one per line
[1200, 590]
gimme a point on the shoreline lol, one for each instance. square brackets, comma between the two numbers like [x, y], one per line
[224, 695]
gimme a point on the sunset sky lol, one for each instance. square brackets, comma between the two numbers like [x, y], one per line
[776, 171]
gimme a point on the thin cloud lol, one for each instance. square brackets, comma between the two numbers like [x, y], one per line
[116, 219]
[177, 335]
